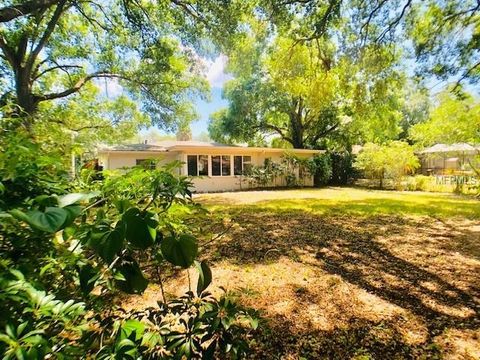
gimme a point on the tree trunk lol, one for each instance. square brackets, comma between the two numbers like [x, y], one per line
[296, 125]
[27, 104]
[382, 176]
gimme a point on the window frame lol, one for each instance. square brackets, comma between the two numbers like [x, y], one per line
[152, 165]
[197, 157]
[221, 165]
[242, 157]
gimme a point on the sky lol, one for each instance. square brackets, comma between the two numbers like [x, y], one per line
[216, 76]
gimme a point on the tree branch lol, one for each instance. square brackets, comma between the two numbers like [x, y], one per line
[92, 21]
[7, 51]
[48, 32]
[60, 122]
[279, 131]
[366, 25]
[80, 83]
[465, 75]
[325, 132]
[75, 88]
[464, 12]
[321, 26]
[191, 11]
[395, 22]
[60, 67]
[27, 7]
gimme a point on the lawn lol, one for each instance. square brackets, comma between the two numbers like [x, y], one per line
[348, 273]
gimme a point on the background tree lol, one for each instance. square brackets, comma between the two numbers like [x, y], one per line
[392, 160]
[77, 125]
[453, 119]
[184, 133]
[415, 108]
[152, 135]
[308, 94]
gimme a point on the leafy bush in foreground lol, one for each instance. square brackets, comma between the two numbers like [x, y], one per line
[64, 255]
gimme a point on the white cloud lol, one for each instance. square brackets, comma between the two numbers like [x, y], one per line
[109, 87]
[215, 71]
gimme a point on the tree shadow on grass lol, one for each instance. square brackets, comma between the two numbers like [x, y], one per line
[408, 274]
[361, 339]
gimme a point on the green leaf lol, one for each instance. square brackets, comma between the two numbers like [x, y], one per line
[204, 276]
[253, 322]
[108, 242]
[132, 326]
[72, 212]
[122, 205]
[51, 220]
[20, 328]
[140, 229]
[180, 251]
[46, 200]
[135, 282]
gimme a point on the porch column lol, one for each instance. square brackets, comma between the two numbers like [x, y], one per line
[184, 168]
[209, 165]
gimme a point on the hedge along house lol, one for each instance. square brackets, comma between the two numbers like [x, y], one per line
[213, 167]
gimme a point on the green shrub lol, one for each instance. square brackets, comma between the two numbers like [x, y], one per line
[342, 168]
[64, 255]
[429, 183]
[419, 183]
[392, 161]
[322, 169]
[190, 327]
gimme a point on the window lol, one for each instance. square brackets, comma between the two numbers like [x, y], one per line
[225, 165]
[237, 165]
[241, 164]
[197, 165]
[192, 165]
[247, 163]
[221, 165]
[149, 164]
[216, 166]
[203, 165]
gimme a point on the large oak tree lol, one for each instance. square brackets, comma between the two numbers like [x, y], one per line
[309, 93]
[50, 49]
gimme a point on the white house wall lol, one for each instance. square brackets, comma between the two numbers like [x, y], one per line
[118, 160]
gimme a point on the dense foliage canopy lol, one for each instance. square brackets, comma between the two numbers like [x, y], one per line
[336, 76]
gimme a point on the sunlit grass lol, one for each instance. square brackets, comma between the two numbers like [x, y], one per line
[349, 201]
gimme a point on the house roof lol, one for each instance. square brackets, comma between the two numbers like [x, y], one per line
[171, 146]
[444, 148]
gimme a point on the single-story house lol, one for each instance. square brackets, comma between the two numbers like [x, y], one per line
[443, 159]
[212, 166]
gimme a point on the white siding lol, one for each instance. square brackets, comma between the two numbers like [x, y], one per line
[117, 160]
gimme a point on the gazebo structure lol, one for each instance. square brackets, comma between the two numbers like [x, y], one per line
[443, 159]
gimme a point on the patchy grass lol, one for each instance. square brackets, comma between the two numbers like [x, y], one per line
[351, 201]
[344, 273]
